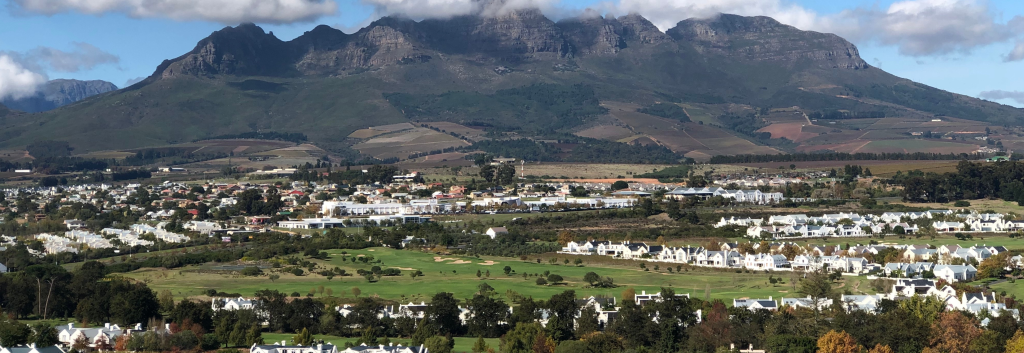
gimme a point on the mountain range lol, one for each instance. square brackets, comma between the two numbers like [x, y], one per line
[58, 93]
[516, 72]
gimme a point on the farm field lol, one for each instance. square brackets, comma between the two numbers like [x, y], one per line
[589, 171]
[691, 139]
[608, 132]
[405, 142]
[916, 145]
[998, 206]
[457, 275]
[464, 131]
[878, 168]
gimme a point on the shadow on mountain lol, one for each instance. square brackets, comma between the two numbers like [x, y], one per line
[259, 86]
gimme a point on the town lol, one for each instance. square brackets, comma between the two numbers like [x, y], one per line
[391, 226]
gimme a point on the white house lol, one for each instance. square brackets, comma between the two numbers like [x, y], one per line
[281, 347]
[756, 304]
[955, 273]
[494, 232]
[31, 348]
[96, 336]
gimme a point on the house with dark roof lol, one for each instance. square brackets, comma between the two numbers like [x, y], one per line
[756, 304]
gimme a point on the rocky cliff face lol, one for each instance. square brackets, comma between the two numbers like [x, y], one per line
[58, 93]
[242, 50]
[765, 39]
[505, 38]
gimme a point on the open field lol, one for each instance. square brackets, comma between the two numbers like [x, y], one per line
[457, 275]
[998, 206]
[691, 139]
[464, 131]
[405, 142]
[792, 131]
[607, 132]
[589, 171]
[878, 168]
[916, 145]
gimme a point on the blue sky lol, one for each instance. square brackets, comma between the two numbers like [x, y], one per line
[964, 46]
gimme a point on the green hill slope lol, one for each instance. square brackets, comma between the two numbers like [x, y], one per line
[518, 72]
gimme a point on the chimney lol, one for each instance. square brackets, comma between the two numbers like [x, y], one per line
[71, 325]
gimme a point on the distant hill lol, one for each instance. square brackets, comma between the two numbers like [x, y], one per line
[519, 73]
[58, 93]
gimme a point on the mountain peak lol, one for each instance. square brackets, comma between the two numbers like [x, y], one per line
[58, 93]
[762, 38]
[242, 50]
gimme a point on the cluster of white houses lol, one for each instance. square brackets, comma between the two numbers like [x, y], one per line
[744, 196]
[952, 263]
[856, 225]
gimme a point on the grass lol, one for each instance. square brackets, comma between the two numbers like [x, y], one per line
[998, 206]
[458, 275]
[462, 344]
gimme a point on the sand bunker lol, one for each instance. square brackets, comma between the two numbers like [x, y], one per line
[440, 259]
[459, 262]
[489, 263]
[405, 268]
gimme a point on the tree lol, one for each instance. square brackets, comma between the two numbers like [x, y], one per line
[443, 313]
[13, 333]
[166, 301]
[619, 185]
[837, 342]
[587, 322]
[988, 342]
[44, 335]
[489, 316]
[508, 270]
[555, 279]
[356, 292]
[629, 295]
[563, 314]
[879, 348]
[591, 278]
[818, 286]
[274, 277]
[993, 266]
[303, 338]
[1015, 343]
[480, 346]
[953, 332]
[521, 338]
[543, 344]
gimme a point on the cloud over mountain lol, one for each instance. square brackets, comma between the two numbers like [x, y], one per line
[222, 11]
[16, 81]
[1016, 96]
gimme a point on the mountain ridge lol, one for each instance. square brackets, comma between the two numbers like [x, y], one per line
[327, 83]
[57, 93]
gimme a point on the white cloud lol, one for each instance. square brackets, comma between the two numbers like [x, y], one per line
[1017, 54]
[84, 57]
[1016, 96]
[667, 13]
[133, 81]
[223, 11]
[440, 9]
[927, 27]
[915, 27]
[16, 81]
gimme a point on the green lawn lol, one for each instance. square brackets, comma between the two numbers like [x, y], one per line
[462, 344]
[458, 275]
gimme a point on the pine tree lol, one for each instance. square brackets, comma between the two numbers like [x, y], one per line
[480, 345]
